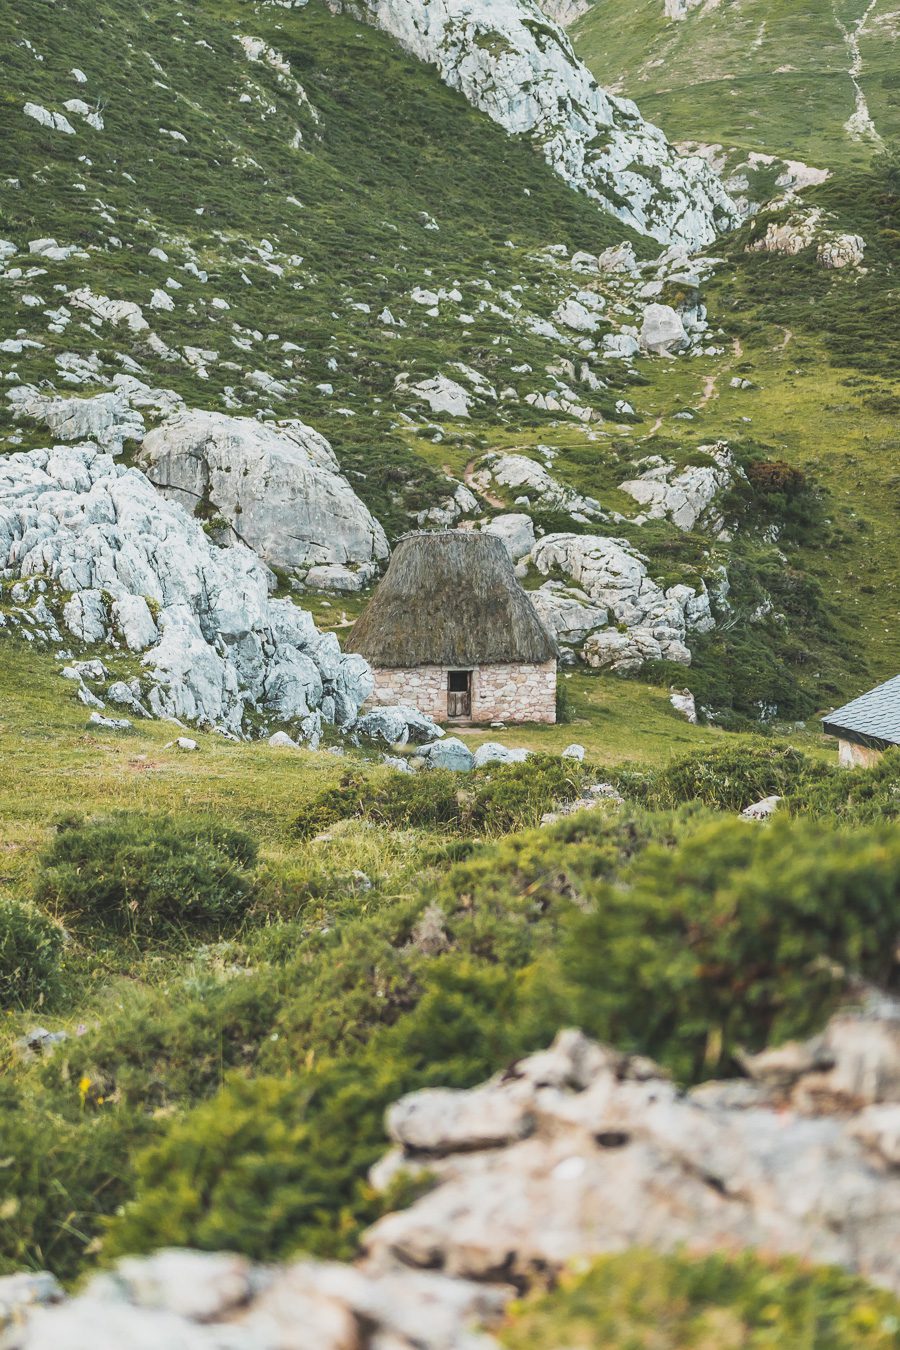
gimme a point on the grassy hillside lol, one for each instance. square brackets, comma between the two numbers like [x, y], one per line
[395, 183]
[761, 75]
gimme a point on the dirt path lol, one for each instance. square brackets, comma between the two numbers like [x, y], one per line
[710, 383]
[788, 334]
[490, 497]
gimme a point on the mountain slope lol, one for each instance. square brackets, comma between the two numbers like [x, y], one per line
[764, 76]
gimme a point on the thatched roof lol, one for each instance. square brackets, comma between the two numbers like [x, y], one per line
[450, 598]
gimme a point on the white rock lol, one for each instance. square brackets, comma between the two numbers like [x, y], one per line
[567, 612]
[662, 331]
[278, 485]
[841, 250]
[449, 753]
[442, 394]
[763, 809]
[397, 724]
[685, 704]
[573, 751]
[282, 741]
[517, 66]
[109, 723]
[55, 121]
[516, 530]
[95, 529]
[492, 752]
[614, 575]
[517, 472]
[340, 578]
[108, 420]
[687, 496]
[113, 311]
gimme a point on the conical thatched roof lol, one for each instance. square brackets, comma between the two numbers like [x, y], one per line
[450, 598]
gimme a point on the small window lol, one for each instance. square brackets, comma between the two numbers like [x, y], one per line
[459, 681]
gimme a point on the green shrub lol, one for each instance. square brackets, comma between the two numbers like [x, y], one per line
[641, 1301]
[729, 778]
[736, 938]
[146, 874]
[491, 800]
[271, 1167]
[858, 796]
[30, 950]
[67, 1162]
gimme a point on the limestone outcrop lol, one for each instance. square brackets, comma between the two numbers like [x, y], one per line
[579, 1151]
[518, 66]
[573, 1152]
[646, 623]
[141, 575]
[684, 496]
[279, 487]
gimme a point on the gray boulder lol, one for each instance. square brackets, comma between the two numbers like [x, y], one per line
[279, 487]
[662, 331]
[492, 752]
[450, 753]
[397, 724]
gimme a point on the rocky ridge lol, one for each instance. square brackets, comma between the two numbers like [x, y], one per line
[514, 63]
[89, 550]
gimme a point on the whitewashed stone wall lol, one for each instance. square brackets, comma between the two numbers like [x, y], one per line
[500, 693]
[853, 756]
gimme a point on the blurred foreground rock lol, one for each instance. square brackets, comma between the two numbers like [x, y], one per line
[575, 1151]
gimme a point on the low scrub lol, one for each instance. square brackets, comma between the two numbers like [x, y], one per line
[147, 875]
[641, 1301]
[727, 779]
[493, 800]
[30, 953]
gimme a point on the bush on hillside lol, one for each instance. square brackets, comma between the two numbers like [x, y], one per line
[727, 778]
[146, 874]
[639, 1300]
[271, 1166]
[736, 938]
[492, 800]
[857, 796]
[30, 950]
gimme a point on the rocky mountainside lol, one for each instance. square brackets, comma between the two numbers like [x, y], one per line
[766, 93]
[310, 368]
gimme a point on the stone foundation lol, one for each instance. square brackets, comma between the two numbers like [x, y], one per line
[500, 693]
[853, 756]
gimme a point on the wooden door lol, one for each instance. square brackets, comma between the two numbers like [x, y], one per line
[459, 694]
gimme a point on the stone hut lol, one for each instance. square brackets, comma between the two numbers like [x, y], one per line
[451, 632]
[868, 726]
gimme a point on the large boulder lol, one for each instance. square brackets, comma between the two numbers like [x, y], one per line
[516, 530]
[397, 724]
[450, 753]
[662, 331]
[279, 487]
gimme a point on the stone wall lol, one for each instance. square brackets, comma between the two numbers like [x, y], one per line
[500, 693]
[853, 756]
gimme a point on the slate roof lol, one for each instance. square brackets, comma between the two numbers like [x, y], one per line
[872, 719]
